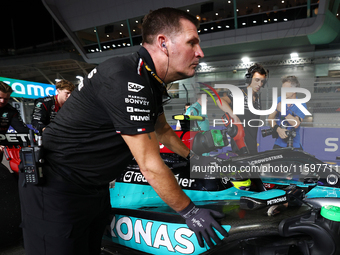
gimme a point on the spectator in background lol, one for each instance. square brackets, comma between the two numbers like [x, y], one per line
[196, 110]
[46, 108]
[255, 79]
[294, 116]
[178, 125]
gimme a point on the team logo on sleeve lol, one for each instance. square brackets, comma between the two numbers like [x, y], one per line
[134, 87]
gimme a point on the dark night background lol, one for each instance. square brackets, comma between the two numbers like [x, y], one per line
[30, 22]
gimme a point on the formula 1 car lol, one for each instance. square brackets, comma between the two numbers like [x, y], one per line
[282, 201]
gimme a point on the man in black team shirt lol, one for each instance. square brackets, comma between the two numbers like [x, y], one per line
[46, 108]
[114, 115]
[255, 79]
[9, 116]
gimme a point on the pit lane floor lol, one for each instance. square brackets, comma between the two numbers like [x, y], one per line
[15, 249]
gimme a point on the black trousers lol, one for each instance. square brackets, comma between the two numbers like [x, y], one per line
[61, 218]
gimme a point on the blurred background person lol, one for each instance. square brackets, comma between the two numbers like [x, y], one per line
[46, 108]
[9, 115]
[196, 110]
[293, 118]
[255, 79]
[178, 124]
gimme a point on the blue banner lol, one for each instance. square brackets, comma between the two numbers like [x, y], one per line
[323, 143]
[29, 89]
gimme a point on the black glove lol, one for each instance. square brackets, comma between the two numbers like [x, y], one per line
[202, 221]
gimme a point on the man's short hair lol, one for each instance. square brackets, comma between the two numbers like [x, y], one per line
[164, 21]
[5, 88]
[65, 84]
[293, 80]
[256, 68]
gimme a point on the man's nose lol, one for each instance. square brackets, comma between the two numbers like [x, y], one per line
[199, 52]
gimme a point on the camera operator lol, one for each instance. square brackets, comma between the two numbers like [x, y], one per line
[292, 120]
[255, 79]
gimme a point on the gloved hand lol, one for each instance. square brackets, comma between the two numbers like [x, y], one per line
[202, 221]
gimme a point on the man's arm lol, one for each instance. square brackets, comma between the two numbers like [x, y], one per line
[18, 124]
[272, 116]
[295, 116]
[225, 107]
[168, 137]
[294, 121]
[145, 149]
[39, 116]
[280, 131]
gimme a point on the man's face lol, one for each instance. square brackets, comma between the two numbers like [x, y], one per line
[288, 85]
[63, 95]
[257, 81]
[184, 52]
[4, 97]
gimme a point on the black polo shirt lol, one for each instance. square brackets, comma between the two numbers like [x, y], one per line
[9, 116]
[83, 143]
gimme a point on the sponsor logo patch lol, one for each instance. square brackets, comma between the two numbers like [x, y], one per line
[139, 118]
[136, 100]
[131, 109]
[134, 87]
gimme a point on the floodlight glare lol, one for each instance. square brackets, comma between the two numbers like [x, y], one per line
[294, 55]
[245, 60]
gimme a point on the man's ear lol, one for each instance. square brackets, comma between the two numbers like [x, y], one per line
[162, 43]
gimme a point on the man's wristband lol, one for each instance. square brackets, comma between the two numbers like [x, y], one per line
[190, 155]
[275, 127]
